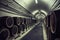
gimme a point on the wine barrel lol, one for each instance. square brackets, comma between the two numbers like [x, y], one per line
[13, 31]
[53, 31]
[49, 35]
[4, 34]
[20, 28]
[55, 22]
[28, 24]
[33, 21]
[6, 21]
[24, 25]
[16, 20]
[21, 20]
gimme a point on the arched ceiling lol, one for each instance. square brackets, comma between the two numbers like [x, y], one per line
[32, 6]
[43, 6]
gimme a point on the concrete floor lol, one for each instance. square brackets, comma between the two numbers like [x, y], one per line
[35, 34]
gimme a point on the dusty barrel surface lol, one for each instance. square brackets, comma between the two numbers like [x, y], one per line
[4, 34]
[6, 21]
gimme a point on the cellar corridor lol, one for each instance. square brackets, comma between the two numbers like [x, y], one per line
[29, 19]
[35, 34]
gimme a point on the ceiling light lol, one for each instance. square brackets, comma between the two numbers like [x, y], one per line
[44, 12]
[35, 12]
[36, 1]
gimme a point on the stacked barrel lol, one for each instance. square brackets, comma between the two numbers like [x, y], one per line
[5, 24]
[52, 25]
[55, 25]
[11, 27]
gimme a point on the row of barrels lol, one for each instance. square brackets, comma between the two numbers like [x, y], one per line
[11, 26]
[52, 25]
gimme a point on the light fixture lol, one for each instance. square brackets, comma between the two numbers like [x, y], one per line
[34, 12]
[44, 12]
[36, 1]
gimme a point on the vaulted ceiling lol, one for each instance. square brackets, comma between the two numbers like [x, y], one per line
[35, 6]
[31, 5]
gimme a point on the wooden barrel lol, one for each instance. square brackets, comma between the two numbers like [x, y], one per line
[53, 22]
[21, 20]
[13, 31]
[33, 21]
[6, 21]
[49, 35]
[4, 34]
[17, 20]
[20, 28]
[24, 25]
[53, 29]
[28, 22]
